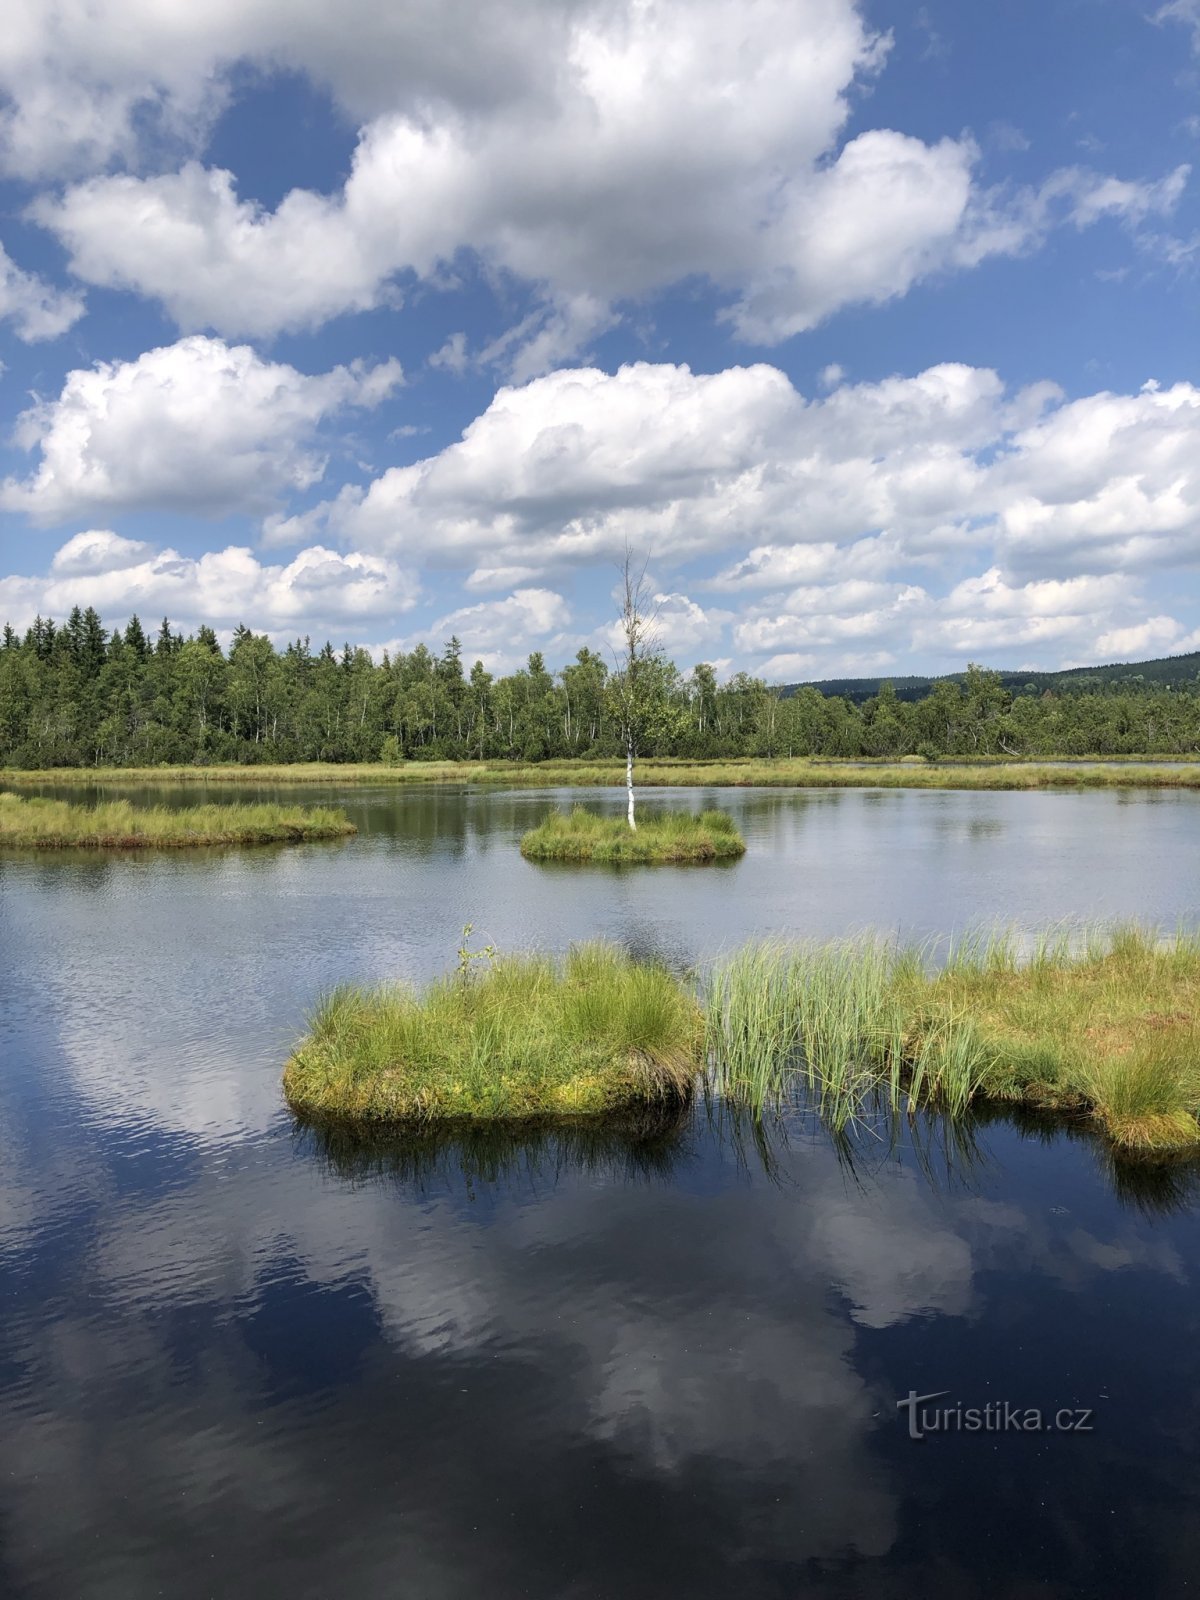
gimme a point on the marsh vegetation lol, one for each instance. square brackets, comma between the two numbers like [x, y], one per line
[801, 772]
[670, 836]
[40, 824]
[1099, 1025]
[524, 1037]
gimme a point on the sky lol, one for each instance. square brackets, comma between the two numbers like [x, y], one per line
[871, 328]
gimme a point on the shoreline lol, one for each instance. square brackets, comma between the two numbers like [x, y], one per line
[1071, 773]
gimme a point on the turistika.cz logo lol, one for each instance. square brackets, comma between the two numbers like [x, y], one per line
[998, 1416]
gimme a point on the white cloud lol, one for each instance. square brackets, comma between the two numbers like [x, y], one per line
[836, 614]
[571, 467]
[871, 480]
[883, 216]
[502, 632]
[771, 566]
[939, 513]
[633, 144]
[1107, 480]
[84, 85]
[196, 426]
[681, 629]
[1157, 634]
[453, 355]
[36, 309]
[319, 588]
[1185, 11]
[95, 551]
[986, 614]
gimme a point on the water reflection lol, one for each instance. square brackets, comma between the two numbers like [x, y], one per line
[242, 1359]
[951, 1156]
[644, 1145]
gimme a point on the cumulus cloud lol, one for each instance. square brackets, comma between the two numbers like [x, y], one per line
[568, 469]
[1107, 480]
[503, 632]
[1159, 634]
[940, 513]
[84, 86]
[87, 555]
[35, 308]
[318, 588]
[195, 426]
[631, 147]
[839, 505]
[986, 614]
[864, 628]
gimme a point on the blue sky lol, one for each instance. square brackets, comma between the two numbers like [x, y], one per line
[874, 326]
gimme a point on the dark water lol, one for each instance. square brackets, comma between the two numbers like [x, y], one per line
[237, 1359]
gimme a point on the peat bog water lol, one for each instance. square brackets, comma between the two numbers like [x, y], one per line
[236, 1359]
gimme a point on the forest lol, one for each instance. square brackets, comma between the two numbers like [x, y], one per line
[77, 694]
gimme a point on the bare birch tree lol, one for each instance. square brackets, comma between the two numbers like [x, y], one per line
[631, 684]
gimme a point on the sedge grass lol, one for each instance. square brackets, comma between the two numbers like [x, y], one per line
[34, 823]
[775, 772]
[524, 1038]
[1104, 1025]
[669, 836]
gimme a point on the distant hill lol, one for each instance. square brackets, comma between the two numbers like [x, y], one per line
[1179, 672]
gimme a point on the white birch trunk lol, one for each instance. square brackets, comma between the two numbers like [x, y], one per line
[629, 784]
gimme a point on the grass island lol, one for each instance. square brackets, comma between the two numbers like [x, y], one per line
[671, 836]
[34, 823]
[527, 1037]
[1102, 1026]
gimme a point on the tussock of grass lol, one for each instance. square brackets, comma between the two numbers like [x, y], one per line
[670, 836]
[779, 772]
[116, 824]
[525, 1038]
[1105, 1025]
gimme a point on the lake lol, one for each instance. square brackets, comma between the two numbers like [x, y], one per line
[238, 1359]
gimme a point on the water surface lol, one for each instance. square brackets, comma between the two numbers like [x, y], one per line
[238, 1359]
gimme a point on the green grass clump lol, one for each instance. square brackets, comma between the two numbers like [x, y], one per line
[1102, 1025]
[116, 824]
[669, 836]
[524, 1038]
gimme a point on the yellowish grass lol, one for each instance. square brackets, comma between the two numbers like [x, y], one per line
[37, 824]
[786, 772]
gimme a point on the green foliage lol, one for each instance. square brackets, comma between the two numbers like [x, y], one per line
[466, 955]
[524, 1038]
[77, 696]
[116, 824]
[1102, 1024]
[670, 836]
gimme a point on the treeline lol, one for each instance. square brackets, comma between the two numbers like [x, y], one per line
[77, 694]
[1173, 672]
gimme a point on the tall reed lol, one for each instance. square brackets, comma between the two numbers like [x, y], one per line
[1100, 1023]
